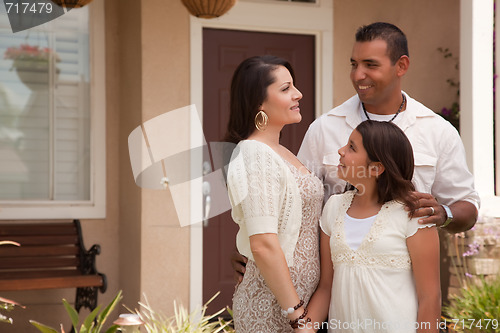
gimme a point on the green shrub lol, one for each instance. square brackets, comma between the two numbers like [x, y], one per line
[183, 321]
[93, 323]
[476, 308]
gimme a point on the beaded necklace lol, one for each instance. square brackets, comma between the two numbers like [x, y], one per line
[399, 110]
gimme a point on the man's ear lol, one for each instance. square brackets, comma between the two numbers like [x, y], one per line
[376, 169]
[402, 65]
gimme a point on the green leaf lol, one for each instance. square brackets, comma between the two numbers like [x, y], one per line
[88, 322]
[112, 329]
[91, 324]
[72, 313]
[43, 328]
[101, 319]
[89, 328]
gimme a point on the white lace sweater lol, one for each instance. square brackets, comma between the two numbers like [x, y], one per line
[264, 196]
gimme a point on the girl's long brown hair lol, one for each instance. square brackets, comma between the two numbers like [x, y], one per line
[386, 143]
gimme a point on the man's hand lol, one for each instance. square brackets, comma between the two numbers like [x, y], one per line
[239, 263]
[429, 209]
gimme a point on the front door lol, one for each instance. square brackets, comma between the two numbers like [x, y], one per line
[223, 51]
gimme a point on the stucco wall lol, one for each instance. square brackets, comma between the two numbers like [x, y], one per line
[165, 87]
[428, 24]
[152, 78]
[147, 75]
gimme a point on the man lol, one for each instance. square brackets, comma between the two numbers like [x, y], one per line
[379, 60]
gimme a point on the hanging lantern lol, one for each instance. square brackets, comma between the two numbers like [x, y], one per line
[208, 8]
[71, 3]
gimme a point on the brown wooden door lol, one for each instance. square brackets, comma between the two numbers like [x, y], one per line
[223, 51]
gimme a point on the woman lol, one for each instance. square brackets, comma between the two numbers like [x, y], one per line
[386, 264]
[276, 201]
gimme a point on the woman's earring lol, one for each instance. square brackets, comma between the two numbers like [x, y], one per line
[261, 121]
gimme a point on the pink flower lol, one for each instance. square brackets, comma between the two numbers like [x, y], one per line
[29, 52]
[446, 112]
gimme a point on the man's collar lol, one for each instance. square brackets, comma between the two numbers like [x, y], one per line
[346, 110]
[413, 110]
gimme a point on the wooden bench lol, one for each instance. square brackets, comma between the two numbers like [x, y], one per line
[51, 255]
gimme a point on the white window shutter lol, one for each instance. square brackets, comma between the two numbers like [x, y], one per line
[45, 122]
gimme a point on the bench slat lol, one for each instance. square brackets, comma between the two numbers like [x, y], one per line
[13, 229]
[9, 263]
[42, 273]
[44, 239]
[51, 283]
[37, 251]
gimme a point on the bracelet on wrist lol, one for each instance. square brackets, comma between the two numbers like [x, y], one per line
[295, 323]
[449, 216]
[292, 310]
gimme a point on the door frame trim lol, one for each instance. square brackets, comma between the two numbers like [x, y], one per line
[279, 17]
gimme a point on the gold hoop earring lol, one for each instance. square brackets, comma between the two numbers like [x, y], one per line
[261, 121]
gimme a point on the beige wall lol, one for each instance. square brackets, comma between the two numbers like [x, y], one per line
[147, 75]
[152, 76]
[428, 24]
[165, 87]
[125, 76]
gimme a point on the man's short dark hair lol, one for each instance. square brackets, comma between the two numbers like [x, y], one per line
[397, 45]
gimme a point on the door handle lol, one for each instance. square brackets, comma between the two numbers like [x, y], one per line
[208, 201]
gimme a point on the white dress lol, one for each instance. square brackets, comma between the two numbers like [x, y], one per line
[373, 287]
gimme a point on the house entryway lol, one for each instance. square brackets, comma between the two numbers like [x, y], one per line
[223, 51]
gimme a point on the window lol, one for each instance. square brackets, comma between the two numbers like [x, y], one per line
[46, 124]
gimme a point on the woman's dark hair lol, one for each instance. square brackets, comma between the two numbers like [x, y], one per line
[248, 92]
[386, 143]
[397, 44]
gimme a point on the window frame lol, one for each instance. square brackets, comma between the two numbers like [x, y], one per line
[95, 207]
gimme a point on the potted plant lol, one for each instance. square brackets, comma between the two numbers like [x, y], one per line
[71, 3]
[31, 63]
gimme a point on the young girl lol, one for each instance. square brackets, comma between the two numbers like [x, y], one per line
[386, 264]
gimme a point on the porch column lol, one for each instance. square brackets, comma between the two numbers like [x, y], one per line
[476, 91]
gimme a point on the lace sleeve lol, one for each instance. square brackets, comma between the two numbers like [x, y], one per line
[328, 216]
[255, 186]
[413, 226]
